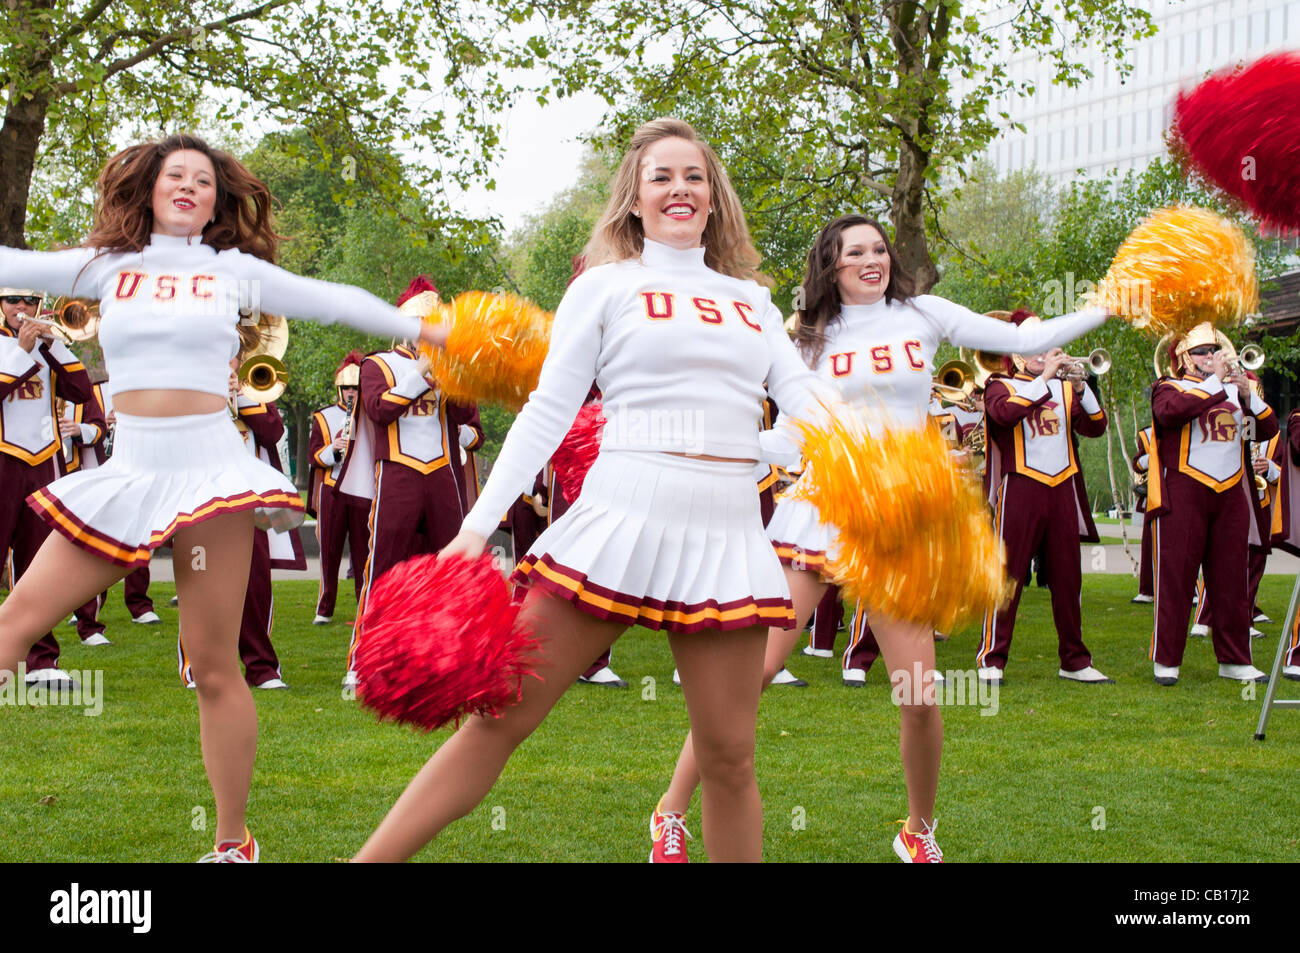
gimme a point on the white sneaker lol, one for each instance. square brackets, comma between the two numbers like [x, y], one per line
[1262, 619]
[147, 618]
[72, 619]
[174, 601]
[56, 678]
[854, 677]
[350, 681]
[1199, 631]
[938, 676]
[1166, 674]
[1242, 673]
[811, 652]
[97, 639]
[1088, 674]
[1292, 672]
[1141, 600]
[191, 686]
[1255, 633]
[606, 676]
[273, 683]
[677, 679]
[989, 673]
[322, 620]
[789, 679]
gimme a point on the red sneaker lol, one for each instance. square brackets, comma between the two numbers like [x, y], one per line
[233, 851]
[667, 831]
[919, 848]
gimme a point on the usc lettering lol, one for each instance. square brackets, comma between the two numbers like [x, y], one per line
[165, 288]
[128, 283]
[882, 360]
[842, 364]
[660, 306]
[913, 351]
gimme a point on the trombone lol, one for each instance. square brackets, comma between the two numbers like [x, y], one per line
[955, 384]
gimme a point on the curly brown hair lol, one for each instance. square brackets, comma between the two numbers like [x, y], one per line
[124, 207]
[820, 292]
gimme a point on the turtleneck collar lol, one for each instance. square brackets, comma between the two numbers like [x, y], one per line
[657, 255]
[863, 312]
[159, 240]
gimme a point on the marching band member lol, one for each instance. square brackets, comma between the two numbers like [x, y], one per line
[470, 437]
[182, 241]
[36, 370]
[1141, 466]
[337, 517]
[1035, 486]
[406, 449]
[865, 332]
[668, 320]
[1200, 496]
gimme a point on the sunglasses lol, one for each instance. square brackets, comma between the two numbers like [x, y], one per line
[1206, 351]
[32, 300]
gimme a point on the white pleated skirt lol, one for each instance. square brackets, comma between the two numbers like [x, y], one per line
[800, 538]
[165, 473]
[667, 542]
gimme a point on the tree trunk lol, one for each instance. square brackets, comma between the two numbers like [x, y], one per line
[908, 213]
[20, 137]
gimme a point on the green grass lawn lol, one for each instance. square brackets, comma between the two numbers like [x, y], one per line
[1173, 773]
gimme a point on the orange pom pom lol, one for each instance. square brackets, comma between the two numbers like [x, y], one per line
[915, 538]
[495, 348]
[1182, 266]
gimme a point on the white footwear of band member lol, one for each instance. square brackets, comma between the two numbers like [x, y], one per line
[1142, 600]
[1199, 631]
[97, 639]
[322, 620]
[1242, 673]
[147, 618]
[1255, 633]
[854, 677]
[1291, 672]
[789, 679]
[677, 678]
[55, 678]
[1262, 619]
[72, 619]
[1088, 674]
[1166, 674]
[350, 681]
[606, 677]
[811, 652]
[272, 683]
[989, 673]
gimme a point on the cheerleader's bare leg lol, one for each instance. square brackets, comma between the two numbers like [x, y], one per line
[462, 772]
[211, 562]
[908, 649]
[806, 591]
[722, 678]
[61, 578]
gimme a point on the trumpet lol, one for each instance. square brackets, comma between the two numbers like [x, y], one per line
[1250, 358]
[955, 383]
[1077, 368]
[74, 320]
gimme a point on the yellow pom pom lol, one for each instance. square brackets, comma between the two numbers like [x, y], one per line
[494, 350]
[915, 538]
[1180, 267]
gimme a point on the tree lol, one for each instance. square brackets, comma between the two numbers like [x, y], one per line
[861, 102]
[79, 75]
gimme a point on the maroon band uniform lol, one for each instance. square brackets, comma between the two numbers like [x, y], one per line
[338, 518]
[1036, 489]
[1142, 464]
[29, 448]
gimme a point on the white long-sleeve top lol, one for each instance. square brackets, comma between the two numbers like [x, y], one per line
[881, 356]
[169, 312]
[680, 353]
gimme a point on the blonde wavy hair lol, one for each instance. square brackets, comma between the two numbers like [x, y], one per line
[619, 236]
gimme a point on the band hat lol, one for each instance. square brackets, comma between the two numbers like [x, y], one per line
[1199, 336]
[24, 292]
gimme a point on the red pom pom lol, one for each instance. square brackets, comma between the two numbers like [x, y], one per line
[419, 284]
[441, 639]
[579, 449]
[1241, 130]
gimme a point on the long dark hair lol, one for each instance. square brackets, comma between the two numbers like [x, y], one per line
[820, 292]
[124, 208]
